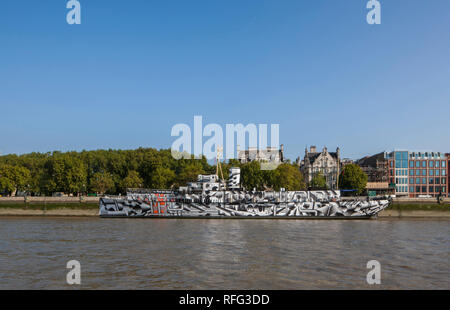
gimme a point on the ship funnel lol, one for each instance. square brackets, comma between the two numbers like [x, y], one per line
[234, 179]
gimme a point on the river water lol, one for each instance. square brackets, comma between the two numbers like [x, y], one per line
[223, 254]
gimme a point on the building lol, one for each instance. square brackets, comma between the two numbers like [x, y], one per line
[418, 174]
[326, 163]
[346, 161]
[376, 167]
[270, 154]
[379, 188]
[448, 172]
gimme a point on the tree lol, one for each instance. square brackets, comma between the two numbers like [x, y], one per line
[189, 173]
[133, 180]
[13, 178]
[162, 178]
[252, 176]
[353, 177]
[289, 177]
[318, 181]
[102, 182]
[65, 173]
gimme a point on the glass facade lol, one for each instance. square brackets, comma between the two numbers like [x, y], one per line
[419, 173]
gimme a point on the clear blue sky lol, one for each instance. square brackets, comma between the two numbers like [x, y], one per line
[133, 69]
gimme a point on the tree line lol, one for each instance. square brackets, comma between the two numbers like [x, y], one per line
[113, 171]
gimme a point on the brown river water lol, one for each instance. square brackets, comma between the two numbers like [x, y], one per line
[223, 254]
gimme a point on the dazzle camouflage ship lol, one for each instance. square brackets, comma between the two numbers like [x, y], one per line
[211, 197]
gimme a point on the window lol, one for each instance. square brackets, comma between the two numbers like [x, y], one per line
[437, 181]
[431, 164]
[417, 189]
[437, 172]
[443, 189]
[443, 164]
[431, 189]
[424, 189]
[443, 172]
[411, 164]
[417, 172]
[411, 172]
[424, 164]
[424, 172]
[417, 180]
[431, 172]
[438, 164]
[417, 164]
[444, 180]
[431, 181]
[424, 180]
[411, 189]
[398, 164]
[411, 181]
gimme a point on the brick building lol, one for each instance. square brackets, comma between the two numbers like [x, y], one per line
[376, 167]
[418, 174]
[448, 172]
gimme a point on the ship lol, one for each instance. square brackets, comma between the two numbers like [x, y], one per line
[213, 198]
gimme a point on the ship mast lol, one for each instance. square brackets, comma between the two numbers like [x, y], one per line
[218, 164]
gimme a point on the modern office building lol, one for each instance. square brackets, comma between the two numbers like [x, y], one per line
[418, 174]
[448, 172]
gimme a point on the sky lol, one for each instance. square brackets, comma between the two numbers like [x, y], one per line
[134, 69]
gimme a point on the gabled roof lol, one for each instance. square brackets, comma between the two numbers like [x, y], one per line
[370, 161]
[313, 156]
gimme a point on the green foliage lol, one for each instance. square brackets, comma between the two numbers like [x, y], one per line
[162, 178]
[133, 180]
[252, 176]
[112, 171]
[353, 177]
[287, 176]
[13, 178]
[66, 172]
[318, 181]
[189, 173]
[102, 182]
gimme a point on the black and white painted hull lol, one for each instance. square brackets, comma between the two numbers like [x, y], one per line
[240, 204]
